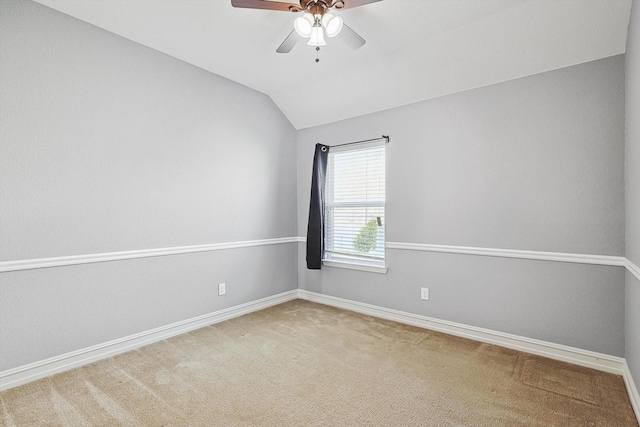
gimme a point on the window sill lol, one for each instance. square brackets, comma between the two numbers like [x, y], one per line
[354, 266]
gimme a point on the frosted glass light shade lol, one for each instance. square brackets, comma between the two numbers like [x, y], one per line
[332, 24]
[303, 25]
[317, 37]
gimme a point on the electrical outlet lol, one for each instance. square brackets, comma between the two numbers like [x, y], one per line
[424, 293]
[222, 288]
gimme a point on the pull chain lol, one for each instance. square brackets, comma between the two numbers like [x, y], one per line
[317, 53]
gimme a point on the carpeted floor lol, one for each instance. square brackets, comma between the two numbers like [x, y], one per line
[303, 364]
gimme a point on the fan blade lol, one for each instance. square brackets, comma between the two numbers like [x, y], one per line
[351, 38]
[265, 4]
[349, 4]
[289, 42]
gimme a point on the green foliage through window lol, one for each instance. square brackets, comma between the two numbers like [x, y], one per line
[366, 239]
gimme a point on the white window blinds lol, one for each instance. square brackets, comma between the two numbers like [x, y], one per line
[355, 204]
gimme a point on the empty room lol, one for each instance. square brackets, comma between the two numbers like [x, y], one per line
[324, 212]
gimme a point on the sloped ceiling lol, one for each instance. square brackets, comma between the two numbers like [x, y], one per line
[415, 50]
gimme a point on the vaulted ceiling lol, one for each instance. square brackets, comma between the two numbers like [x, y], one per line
[415, 50]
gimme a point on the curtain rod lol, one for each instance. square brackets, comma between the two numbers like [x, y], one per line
[385, 137]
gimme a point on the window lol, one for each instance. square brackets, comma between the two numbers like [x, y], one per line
[355, 206]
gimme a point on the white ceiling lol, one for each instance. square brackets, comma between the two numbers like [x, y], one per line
[416, 49]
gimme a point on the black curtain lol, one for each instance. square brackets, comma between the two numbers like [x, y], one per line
[315, 227]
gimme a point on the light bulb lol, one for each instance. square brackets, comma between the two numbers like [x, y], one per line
[303, 25]
[332, 24]
[317, 37]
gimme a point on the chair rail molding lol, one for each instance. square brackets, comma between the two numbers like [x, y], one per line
[30, 264]
[633, 269]
[618, 261]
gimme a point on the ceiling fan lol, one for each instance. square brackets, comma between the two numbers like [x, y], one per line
[316, 22]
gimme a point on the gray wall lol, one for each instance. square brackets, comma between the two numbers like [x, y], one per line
[632, 190]
[536, 164]
[106, 145]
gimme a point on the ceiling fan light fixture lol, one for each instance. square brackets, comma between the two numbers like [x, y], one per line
[317, 37]
[332, 24]
[304, 25]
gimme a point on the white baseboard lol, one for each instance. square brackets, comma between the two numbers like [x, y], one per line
[586, 358]
[34, 371]
[44, 368]
[634, 396]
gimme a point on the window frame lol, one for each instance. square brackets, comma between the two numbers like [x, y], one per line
[349, 261]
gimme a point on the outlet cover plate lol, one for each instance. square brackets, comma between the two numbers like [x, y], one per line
[424, 293]
[222, 288]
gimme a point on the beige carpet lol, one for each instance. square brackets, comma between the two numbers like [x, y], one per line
[302, 364]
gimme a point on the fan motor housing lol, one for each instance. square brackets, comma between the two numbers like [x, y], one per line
[318, 7]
